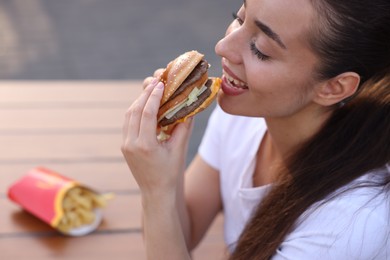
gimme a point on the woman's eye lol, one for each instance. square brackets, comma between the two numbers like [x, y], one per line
[237, 18]
[258, 53]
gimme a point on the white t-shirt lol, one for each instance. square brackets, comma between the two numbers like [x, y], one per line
[355, 225]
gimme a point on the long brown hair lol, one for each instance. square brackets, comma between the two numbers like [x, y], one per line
[349, 35]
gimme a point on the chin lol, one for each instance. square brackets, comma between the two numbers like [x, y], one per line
[234, 107]
[229, 105]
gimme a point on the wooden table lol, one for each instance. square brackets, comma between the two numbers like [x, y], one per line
[74, 128]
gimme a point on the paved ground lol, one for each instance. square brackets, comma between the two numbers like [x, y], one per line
[107, 39]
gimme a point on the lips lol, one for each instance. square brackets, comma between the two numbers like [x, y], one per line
[231, 85]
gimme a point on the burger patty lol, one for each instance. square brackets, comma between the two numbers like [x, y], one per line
[194, 76]
[188, 109]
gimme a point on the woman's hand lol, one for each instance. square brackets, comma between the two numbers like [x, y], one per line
[157, 166]
[158, 169]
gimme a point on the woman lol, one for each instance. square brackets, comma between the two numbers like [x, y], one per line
[296, 154]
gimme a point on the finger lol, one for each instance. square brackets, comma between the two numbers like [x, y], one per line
[147, 81]
[136, 111]
[149, 114]
[125, 126]
[158, 72]
[128, 114]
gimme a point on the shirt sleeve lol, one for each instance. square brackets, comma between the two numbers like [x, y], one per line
[210, 144]
[338, 232]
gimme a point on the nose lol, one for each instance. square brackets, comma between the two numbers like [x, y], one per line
[230, 46]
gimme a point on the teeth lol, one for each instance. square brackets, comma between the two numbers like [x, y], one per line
[234, 82]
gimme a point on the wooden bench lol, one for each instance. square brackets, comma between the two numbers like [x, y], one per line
[74, 128]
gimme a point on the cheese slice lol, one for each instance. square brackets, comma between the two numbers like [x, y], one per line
[192, 97]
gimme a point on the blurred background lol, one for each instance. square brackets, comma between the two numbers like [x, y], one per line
[105, 39]
[108, 39]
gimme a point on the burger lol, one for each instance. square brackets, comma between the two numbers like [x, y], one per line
[188, 91]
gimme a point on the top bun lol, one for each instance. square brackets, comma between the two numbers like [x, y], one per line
[177, 71]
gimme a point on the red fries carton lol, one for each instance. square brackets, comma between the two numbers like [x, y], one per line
[63, 203]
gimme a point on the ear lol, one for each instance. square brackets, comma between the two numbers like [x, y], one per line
[336, 89]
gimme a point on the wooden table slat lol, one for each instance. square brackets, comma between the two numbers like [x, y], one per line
[76, 146]
[61, 120]
[118, 246]
[52, 92]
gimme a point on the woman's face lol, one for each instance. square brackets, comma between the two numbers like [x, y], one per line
[266, 60]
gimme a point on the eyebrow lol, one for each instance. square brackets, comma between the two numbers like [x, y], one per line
[271, 34]
[268, 31]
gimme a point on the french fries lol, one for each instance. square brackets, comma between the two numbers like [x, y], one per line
[79, 205]
[63, 203]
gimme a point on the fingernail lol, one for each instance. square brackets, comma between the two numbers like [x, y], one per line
[154, 81]
[160, 85]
